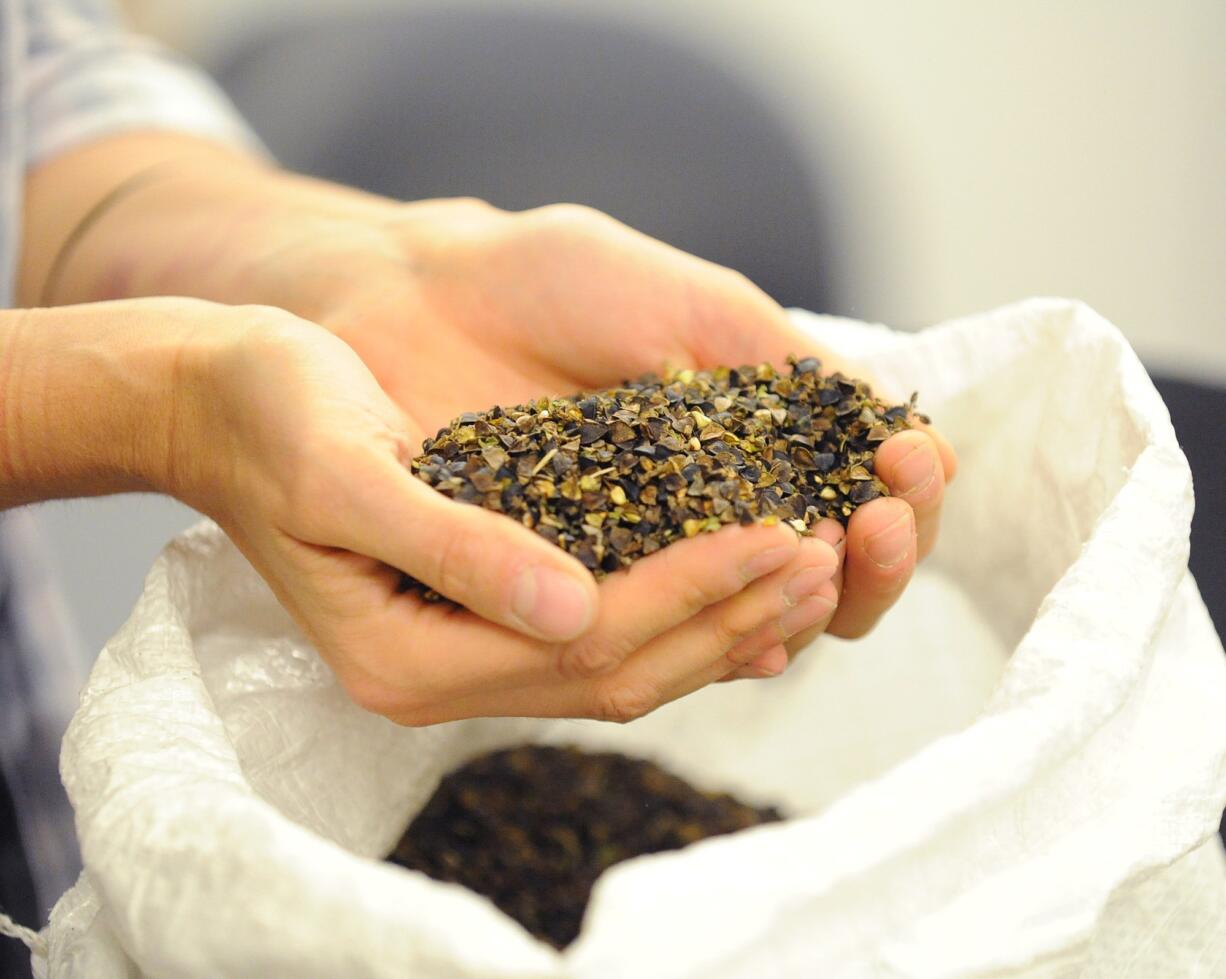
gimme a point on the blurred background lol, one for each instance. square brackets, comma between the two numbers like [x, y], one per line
[894, 162]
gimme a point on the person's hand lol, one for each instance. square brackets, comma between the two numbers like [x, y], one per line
[454, 305]
[478, 306]
[281, 433]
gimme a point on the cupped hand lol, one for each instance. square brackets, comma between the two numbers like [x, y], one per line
[454, 306]
[281, 433]
[481, 306]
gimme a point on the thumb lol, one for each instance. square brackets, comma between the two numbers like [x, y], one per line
[486, 562]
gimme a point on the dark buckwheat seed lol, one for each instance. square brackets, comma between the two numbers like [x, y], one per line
[660, 459]
[532, 828]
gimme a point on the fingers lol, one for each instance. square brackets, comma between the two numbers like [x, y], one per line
[688, 628]
[789, 601]
[401, 657]
[693, 619]
[671, 665]
[910, 464]
[809, 618]
[886, 537]
[881, 555]
[698, 653]
[489, 564]
[671, 586]
[830, 532]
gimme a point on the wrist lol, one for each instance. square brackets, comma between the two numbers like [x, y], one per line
[160, 214]
[88, 402]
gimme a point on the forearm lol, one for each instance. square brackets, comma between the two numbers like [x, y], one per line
[162, 214]
[84, 402]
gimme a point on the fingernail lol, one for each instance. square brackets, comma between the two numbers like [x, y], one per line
[808, 613]
[764, 562]
[551, 603]
[888, 547]
[917, 469]
[804, 583]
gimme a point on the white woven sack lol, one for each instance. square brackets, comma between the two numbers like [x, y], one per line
[1018, 775]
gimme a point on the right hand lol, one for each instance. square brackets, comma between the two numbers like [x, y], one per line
[281, 434]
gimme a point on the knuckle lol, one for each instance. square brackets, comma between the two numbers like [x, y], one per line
[732, 625]
[571, 217]
[594, 656]
[273, 329]
[568, 211]
[695, 593]
[742, 653]
[476, 205]
[738, 280]
[623, 702]
[694, 588]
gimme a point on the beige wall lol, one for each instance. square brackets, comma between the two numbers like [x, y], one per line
[991, 150]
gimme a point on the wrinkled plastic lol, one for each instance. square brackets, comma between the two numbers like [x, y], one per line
[1019, 774]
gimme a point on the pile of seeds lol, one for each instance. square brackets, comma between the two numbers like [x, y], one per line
[532, 828]
[615, 475]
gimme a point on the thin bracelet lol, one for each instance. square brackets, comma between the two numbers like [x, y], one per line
[117, 193]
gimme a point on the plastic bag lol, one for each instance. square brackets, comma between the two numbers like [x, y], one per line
[1019, 774]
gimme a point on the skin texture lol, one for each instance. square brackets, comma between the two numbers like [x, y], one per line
[292, 426]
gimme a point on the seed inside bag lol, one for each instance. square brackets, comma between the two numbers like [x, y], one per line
[612, 476]
[532, 828]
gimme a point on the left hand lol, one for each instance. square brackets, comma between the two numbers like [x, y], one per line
[501, 307]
